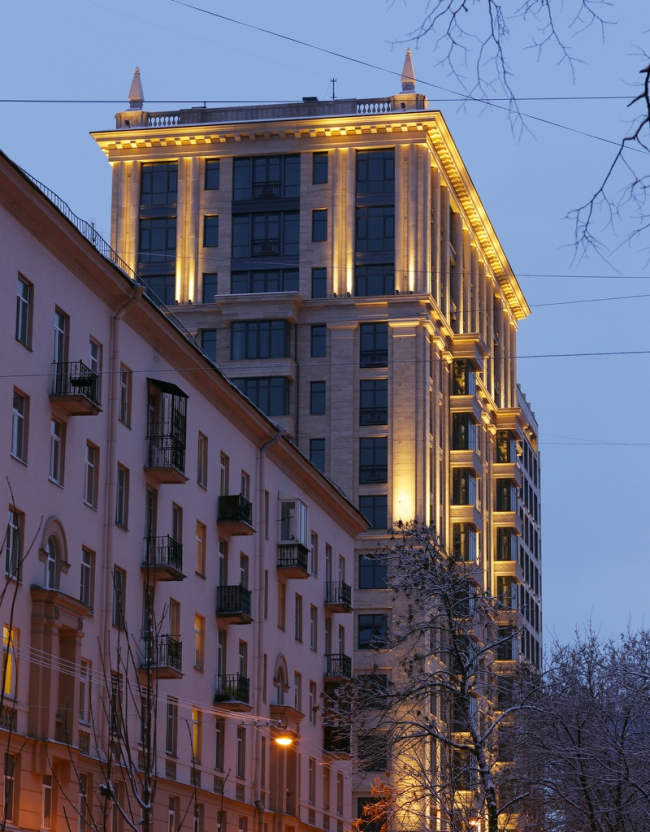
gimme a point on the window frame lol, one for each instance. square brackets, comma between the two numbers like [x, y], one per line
[20, 427]
[202, 460]
[319, 341]
[211, 231]
[126, 387]
[87, 578]
[212, 173]
[372, 619]
[119, 597]
[122, 497]
[24, 312]
[91, 475]
[319, 225]
[320, 168]
[57, 451]
[318, 398]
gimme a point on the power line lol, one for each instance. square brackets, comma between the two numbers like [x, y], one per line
[200, 102]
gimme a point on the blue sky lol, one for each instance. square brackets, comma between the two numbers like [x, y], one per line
[591, 409]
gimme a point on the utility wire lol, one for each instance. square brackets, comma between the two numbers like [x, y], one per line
[199, 102]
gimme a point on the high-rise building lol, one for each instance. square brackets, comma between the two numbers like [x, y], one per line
[336, 261]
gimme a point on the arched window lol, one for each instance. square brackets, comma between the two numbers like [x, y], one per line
[52, 563]
[280, 686]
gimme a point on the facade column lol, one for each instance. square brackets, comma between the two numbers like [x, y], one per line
[435, 235]
[125, 212]
[445, 288]
[405, 404]
[193, 230]
[344, 433]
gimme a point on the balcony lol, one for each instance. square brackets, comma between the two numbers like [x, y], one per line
[163, 656]
[371, 474]
[267, 190]
[265, 248]
[293, 560]
[164, 558]
[75, 388]
[234, 604]
[373, 416]
[235, 515]
[338, 667]
[374, 358]
[338, 596]
[336, 741]
[232, 691]
[166, 459]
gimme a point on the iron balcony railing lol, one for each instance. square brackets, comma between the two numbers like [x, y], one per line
[373, 416]
[374, 358]
[265, 248]
[338, 665]
[293, 555]
[163, 651]
[338, 592]
[372, 474]
[164, 551]
[267, 190]
[232, 688]
[166, 451]
[73, 378]
[233, 599]
[235, 508]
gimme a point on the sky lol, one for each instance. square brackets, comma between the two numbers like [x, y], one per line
[592, 409]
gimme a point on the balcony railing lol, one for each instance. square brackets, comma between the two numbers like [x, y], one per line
[373, 416]
[164, 553]
[374, 358]
[338, 666]
[293, 558]
[234, 602]
[74, 381]
[338, 594]
[166, 452]
[232, 688]
[267, 190]
[373, 474]
[265, 248]
[236, 513]
[163, 652]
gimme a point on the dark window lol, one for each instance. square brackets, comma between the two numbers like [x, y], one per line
[158, 241]
[463, 487]
[373, 630]
[506, 545]
[505, 645]
[374, 345]
[320, 169]
[376, 228]
[24, 312]
[505, 495]
[163, 286]
[319, 225]
[209, 343]
[271, 394]
[211, 232]
[371, 819]
[372, 752]
[318, 341]
[464, 379]
[265, 235]
[159, 183]
[319, 283]
[506, 450]
[373, 572]
[212, 174]
[373, 459]
[463, 432]
[375, 280]
[375, 171]
[259, 339]
[373, 402]
[374, 508]
[317, 453]
[267, 177]
[464, 541]
[209, 286]
[267, 280]
[317, 397]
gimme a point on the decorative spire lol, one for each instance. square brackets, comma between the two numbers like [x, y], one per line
[136, 96]
[408, 74]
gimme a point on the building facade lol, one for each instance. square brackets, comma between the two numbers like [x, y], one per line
[336, 261]
[175, 595]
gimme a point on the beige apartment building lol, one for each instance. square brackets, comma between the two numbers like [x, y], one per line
[335, 260]
[172, 608]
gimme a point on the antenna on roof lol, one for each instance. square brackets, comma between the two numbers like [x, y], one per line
[333, 81]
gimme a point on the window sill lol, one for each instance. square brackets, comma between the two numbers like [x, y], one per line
[54, 482]
[18, 459]
[90, 505]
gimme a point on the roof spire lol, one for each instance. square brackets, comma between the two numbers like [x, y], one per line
[408, 74]
[136, 96]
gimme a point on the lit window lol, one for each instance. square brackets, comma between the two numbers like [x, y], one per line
[199, 641]
[197, 732]
[10, 666]
[200, 548]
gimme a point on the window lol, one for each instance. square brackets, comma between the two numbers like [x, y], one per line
[313, 554]
[46, 802]
[197, 735]
[506, 650]
[84, 800]
[209, 343]
[313, 627]
[313, 702]
[84, 691]
[374, 345]
[317, 453]
[163, 286]
[463, 487]
[200, 548]
[60, 337]
[506, 495]
[320, 169]
[241, 752]
[199, 813]
[327, 779]
[19, 424]
[297, 691]
[172, 811]
[259, 339]
[373, 630]
[171, 732]
[9, 662]
[91, 478]
[220, 742]
[374, 508]
[339, 793]
[463, 432]
[245, 485]
[298, 618]
[319, 225]
[373, 572]
[376, 228]
[174, 618]
[373, 459]
[95, 363]
[199, 641]
[319, 341]
[294, 517]
[202, 461]
[159, 183]
[317, 397]
[264, 280]
[119, 593]
[376, 171]
[24, 312]
[266, 177]
[375, 280]
[243, 570]
[13, 544]
[464, 379]
[372, 751]
[282, 606]
[158, 243]
[209, 286]
[311, 786]
[57, 446]
[86, 590]
[263, 762]
[210, 232]
[115, 713]
[212, 174]
[52, 563]
[464, 541]
[221, 652]
[373, 402]
[224, 475]
[319, 283]
[124, 414]
[266, 235]
[9, 790]
[122, 498]
[270, 394]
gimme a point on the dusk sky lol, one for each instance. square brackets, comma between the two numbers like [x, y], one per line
[592, 409]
